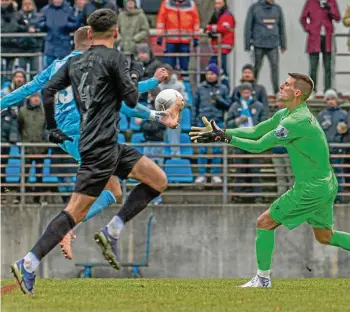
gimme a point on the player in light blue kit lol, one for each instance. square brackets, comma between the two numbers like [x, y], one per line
[68, 120]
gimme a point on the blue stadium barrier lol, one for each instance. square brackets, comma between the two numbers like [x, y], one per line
[138, 138]
[186, 119]
[182, 171]
[133, 125]
[13, 168]
[123, 123]
[47, 177]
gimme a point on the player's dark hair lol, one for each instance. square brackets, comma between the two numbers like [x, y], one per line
[102, 21]
[304, 83]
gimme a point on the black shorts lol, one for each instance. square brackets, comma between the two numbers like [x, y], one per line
[95, 171]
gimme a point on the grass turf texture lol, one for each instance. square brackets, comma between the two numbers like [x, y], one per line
[102, 295]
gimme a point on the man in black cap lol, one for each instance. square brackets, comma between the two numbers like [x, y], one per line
[259, 92]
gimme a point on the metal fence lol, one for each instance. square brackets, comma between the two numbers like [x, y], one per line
[20, 180]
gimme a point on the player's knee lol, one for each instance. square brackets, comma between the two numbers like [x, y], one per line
[265, 222]
[323, 236]
[261, 222]
[162, 182]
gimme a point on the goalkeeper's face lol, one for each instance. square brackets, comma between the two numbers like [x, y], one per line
[287, 90]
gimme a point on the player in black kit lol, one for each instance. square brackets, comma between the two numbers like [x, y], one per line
[101, 79]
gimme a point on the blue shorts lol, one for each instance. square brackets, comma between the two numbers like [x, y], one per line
[72, 148]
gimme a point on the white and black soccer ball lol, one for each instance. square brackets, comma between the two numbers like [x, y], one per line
[166, 98]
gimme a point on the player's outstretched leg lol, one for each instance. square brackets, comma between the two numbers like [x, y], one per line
[153, 183]
[108, 197]
[264, 245]
[333, 238]
[23, 270]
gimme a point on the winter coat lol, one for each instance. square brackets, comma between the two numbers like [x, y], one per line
[31, 19]
[173, 83]
[256, 109]
[92, 6]
[346, 22]
[211, 101]
[264, 26]
[31, 120]
[9, 126]
[177, 18]
[59, 22]
[317, 17]
[12, 22]
[259, 94]
[225, 26]
[329, 119]
[133, 28]
[151, 67]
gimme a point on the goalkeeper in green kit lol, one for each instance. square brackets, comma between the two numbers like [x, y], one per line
[313, 193]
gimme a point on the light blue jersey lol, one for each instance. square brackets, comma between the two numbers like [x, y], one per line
[66, 112]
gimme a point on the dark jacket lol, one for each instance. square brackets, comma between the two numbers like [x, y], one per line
[31, 20]
[12, 22]
[317, 17]
[211, 101]
[9, 126]
[259, 94]
[153, 131]
[59, 22]
[92, 6]
[264, 26]
[256, 109]
[31, 121]
[151, 67]
[329, 119]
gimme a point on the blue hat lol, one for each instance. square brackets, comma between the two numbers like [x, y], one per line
[213, 68]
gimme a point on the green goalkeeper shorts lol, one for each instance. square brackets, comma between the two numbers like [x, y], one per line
[297, 206]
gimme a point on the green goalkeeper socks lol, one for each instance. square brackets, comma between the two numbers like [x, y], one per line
[340, 239]
[264, 244]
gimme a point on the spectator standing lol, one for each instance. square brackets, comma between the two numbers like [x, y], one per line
[133, 28]
[282, 165]
[221, 22]
[259, 91]
[265, 32]
[11, 22]
[346, 22]
[334, 122]
[179, 18]
[247, 112]
[58, 20]
[93, 5]
[18, 80]
[172, 82]
[317, 20]
[212, 100]
[31, 120]
[78, 9]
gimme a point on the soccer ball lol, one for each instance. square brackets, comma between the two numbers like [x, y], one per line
[166, 98]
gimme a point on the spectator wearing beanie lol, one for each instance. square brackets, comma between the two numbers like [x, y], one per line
[247, 112]
[19, 78]
[334, 122]
[221, 22]
[259, 91]
[133, 28]
[93, 5]
[212, 100]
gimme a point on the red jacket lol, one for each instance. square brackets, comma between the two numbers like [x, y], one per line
[313, 17]
[178, 18]
[226, 27]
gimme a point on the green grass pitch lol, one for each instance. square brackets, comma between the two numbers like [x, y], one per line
[104, 295]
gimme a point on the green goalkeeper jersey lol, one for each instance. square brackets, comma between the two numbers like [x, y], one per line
[305, 141]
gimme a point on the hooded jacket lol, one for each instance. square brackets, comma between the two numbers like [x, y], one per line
[94, 5]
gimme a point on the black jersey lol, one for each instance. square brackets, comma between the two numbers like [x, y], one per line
[100, 80]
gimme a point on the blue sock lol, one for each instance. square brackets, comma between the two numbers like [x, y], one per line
[103, 201]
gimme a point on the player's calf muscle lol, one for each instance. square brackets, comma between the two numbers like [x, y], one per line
[79, 205]
[113, 186]
[323, 236]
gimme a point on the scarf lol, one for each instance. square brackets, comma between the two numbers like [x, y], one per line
[246, 112]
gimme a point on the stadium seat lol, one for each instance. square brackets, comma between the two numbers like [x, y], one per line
[134, 126]
[121, 138]
[47, 177]
[138, 138]
[13, 168]
[123, 123]
[189, 92]
[178, 171]
[32, 173]
[184, 150]
[186, 119]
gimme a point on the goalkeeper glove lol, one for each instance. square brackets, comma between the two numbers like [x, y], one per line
[210, 133]
[57, 136]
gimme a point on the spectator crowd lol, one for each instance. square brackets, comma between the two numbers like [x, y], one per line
[177, 31]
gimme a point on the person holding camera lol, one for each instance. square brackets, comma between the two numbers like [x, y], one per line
[247, 112]
[212, 100]
[317, 20]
